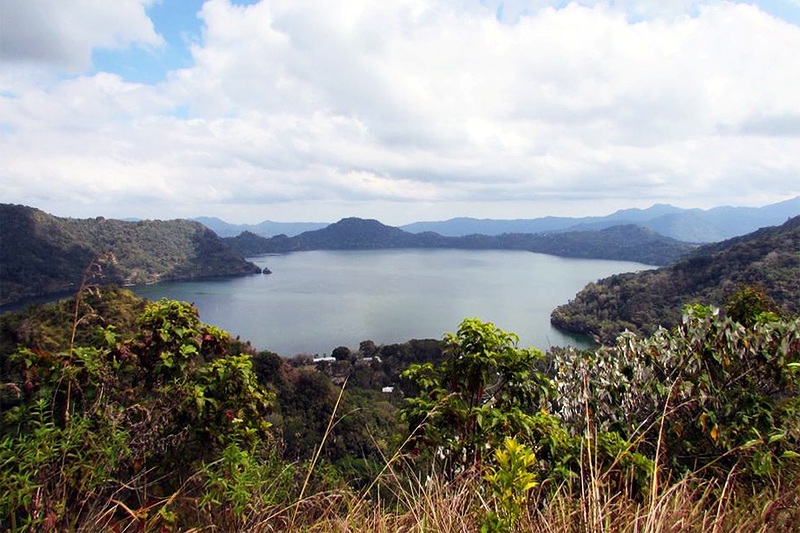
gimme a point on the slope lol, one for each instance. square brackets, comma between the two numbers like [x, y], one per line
[41, 254]
[768, 259]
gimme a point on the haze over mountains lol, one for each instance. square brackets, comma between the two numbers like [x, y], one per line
[267, 228]
[688, 225]
[41, 254]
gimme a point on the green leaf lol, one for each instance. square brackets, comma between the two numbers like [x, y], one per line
[776, 437]
[188, 349]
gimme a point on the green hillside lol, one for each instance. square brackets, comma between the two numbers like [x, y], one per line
[768, 259]
[41, 254]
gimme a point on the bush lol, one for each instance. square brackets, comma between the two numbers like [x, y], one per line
[713, 393]
[485, 389]
[124, 418]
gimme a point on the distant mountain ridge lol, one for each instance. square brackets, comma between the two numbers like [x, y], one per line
[688, 225]
[267, 228]
[41, 254]
[624, 243]
[768, 259]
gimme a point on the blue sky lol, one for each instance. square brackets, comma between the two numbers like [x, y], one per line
[402, 111]
[174, 20]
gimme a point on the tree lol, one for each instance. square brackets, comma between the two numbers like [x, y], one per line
[751, 304]
[367, 348]
[341, 353]
[486, 388]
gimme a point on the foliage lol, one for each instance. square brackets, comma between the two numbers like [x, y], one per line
[155, 421]
[365, 423]
[712, 393]
[49, 327]
[485, 389]
[488, 390]
[43, 255]
[242, 481]
[50, 469]
[152, 406]
[511, 479]
[751, 305]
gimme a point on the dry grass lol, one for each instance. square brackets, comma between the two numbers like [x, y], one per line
[434, 505]
[401, 501]
[398, 501]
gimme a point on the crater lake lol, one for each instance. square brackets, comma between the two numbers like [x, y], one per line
[316, 301]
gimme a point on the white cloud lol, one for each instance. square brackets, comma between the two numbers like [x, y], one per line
[357, 104]
[63, 34]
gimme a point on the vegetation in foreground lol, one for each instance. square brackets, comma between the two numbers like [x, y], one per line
[122, 416]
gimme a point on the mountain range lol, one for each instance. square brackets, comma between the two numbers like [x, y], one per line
[623, 243]
[688, 225]
[41, 254]
[267, 228]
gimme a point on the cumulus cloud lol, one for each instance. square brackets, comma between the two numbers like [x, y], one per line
[360, 104]
[63, 34]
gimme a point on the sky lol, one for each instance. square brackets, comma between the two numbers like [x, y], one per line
[399, 110]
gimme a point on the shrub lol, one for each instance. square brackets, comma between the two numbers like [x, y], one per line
[725, 390]
[485, 389]
[152, 408]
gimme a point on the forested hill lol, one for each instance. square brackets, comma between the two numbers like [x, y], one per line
[768, 259]
[625, 243]
[41, 254]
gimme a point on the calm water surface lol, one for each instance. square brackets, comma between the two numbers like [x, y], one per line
[316, 301]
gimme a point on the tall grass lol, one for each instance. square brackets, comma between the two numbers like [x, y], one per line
[413, 503]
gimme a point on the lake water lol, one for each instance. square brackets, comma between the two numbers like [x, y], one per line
[316, 301]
